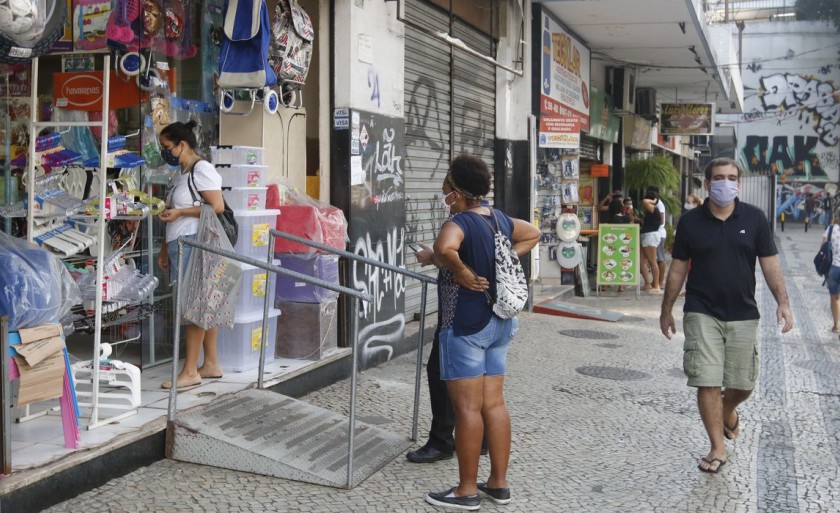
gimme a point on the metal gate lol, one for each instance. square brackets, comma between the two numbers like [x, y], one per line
[450, 108]
[760, 191]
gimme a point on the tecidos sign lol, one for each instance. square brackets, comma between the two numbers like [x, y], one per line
[83, 91]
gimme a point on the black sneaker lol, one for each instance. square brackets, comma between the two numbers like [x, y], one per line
[497, 495]
[448, 499]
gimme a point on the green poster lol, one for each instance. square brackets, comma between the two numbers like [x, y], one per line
[618, 254]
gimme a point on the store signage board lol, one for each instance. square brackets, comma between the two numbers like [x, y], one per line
[618, 254]
[83, 90]
[563, 132]
[687, 119]
[637, 132]
[564, 88]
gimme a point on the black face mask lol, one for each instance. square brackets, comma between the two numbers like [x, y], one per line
[169, 158]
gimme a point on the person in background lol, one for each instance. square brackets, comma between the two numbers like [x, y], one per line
[722, 239]
[650, 241]
[691, 202]
[178, 144]
[832, 280]
[810, 206]
[663, 234]
[628, 209]
[604, 207]
[827, 209]
[473, 340]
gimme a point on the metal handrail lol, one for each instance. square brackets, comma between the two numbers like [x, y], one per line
[5, 399]
[355, 294]
[424, 281]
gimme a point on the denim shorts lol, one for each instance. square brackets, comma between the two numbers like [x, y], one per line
[720, 353]
[832, 280]
[173, 257]
[480, 354]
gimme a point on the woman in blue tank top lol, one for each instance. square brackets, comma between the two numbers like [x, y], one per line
[473, 340]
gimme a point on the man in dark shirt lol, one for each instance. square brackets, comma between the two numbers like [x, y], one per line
[810, 205]
[722, 238]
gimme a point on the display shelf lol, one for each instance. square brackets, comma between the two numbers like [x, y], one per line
[93, 376]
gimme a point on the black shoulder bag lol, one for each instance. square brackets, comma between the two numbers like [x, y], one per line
[229, 224]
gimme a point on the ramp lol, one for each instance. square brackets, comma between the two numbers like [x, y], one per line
[271, 434]
[563, 309]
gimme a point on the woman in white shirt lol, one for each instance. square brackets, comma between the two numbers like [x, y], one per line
[178, 144]
[832, 280]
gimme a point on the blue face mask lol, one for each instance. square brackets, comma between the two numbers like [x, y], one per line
[169, 158]
[723, 192]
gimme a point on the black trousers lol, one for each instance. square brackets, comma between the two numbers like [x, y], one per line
[441, 435]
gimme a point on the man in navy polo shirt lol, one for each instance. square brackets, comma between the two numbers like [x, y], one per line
[722, 239]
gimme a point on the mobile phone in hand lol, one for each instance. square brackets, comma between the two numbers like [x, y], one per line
[414, 247]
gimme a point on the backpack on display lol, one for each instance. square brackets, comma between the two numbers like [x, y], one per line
[822, 262]
[511, 285]
[291, 42]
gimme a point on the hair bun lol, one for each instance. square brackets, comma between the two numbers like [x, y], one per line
[191, 124]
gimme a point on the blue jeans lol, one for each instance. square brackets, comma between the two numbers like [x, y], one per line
[480, 354]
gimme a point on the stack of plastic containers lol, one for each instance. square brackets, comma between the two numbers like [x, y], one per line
[244, 189]
[307, 328]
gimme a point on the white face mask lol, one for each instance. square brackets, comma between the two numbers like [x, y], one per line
[447, 208]
[723, 192]
[688, 205]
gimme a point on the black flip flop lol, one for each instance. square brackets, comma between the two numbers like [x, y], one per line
[710, 470]
[727, 430]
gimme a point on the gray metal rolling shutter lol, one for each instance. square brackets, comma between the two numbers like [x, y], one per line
[450, 108]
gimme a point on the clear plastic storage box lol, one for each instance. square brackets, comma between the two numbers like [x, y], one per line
[254, 226]
[252, 290]
[239, 347]
[237, 155]
[245, 198]
[243, 176]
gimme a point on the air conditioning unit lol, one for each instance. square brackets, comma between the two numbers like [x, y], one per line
[621, 85]
[646, 103]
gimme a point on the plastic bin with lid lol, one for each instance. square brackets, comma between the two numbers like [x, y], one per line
[245, 198]
[254, 227]
[256, 282]
[237, 155]
[243, 176]
[239, 347]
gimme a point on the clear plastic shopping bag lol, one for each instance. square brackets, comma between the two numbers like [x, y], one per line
[210, 286]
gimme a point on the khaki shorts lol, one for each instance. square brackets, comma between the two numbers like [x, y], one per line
[719, 353]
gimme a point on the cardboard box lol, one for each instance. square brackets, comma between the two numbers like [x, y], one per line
[40, 362]
[306, 330]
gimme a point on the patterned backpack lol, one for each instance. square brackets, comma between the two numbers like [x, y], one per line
[291, 42]
[511, 286]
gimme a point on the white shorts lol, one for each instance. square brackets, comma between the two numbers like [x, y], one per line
[651, 239]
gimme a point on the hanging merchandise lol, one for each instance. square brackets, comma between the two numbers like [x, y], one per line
[211, 42]
[291, 49]
[90, 21]
[177, 29]
[243, 63]
[124, 31]
[28, 28]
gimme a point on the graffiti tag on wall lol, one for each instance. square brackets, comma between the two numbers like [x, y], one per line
[817, 101]
[376, 231]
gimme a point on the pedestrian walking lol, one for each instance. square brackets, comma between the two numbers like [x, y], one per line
[650, 241]
[692, 202]
[810, 205]
[722, 239]
[473, 340]
[832, 280]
